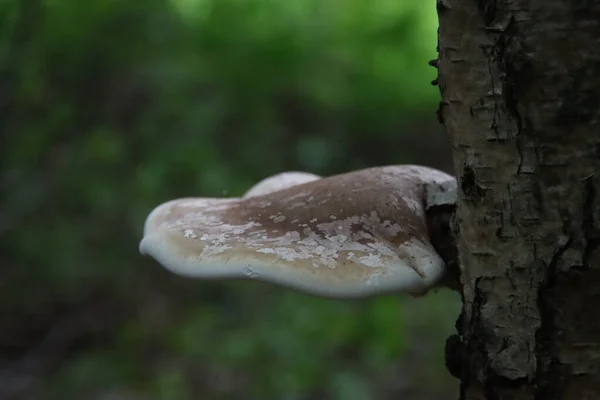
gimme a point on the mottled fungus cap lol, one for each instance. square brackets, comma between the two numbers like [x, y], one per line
[347, 236]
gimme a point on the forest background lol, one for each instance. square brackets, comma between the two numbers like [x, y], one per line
[108, 108]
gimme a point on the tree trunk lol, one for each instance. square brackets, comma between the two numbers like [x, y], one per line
[520, 85]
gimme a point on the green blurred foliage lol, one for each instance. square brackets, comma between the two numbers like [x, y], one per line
[108, 108]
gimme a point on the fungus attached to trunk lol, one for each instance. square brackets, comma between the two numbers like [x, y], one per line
[353, 235]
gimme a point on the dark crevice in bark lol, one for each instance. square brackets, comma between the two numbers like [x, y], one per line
[549, 385]
[479, 336]
[474, 351]
[469, 186]
[454, 353]
[591, 232]
[487, 10]
[443, 239]
[581, 103]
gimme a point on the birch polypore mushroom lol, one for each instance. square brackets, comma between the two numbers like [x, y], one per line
[353, 235]
[280, 181]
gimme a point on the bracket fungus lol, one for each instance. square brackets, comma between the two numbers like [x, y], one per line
[347, 236]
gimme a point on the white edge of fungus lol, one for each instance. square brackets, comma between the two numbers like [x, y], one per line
[398, 278]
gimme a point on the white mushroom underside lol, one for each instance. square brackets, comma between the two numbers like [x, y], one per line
[396, 276]
[336, 237]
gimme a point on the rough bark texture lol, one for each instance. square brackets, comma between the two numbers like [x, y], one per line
[520, 84]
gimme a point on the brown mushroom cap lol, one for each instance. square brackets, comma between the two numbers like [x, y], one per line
[352, 235]
[280, 181]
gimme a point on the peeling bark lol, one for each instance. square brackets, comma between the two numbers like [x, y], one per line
[520, 85]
